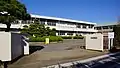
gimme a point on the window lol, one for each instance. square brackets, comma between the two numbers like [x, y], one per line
[105, 27]
[15, 22]
[69, 33]
[90, 26]
[51, 23]
[62, 22]
[84, 26]
[61, 33]
[98, 28]
[78, 26]
[42, 22]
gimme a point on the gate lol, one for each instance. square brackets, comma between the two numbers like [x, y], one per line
[105, 42]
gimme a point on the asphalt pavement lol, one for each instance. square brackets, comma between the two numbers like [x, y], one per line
[112, 61]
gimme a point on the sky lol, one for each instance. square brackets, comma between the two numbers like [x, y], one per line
[96, 11]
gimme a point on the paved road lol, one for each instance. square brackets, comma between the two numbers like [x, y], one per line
[67, 44]
[108, 62]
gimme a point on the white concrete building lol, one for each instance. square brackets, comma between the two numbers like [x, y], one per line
[63, 26]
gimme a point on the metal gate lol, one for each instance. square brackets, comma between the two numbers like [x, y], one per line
[105, 42]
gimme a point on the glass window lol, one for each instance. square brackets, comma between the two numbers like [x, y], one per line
[99, 28]
[84, 26]
[61, 33]
[78, 26]
[42, 22]
[15, 22]
[69, 33]
[90, 26]
[51, 23]
[105, 27]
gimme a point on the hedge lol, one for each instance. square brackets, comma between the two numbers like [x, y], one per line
[53, 38]
[78, 37]
[42, 39]
[74, 37]
[66, 37]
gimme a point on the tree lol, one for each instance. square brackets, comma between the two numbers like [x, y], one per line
[116, 30]
[11, 11]
[53, 32]
[36, 29]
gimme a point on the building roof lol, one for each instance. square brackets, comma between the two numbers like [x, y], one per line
[110, 24]
[61, 19]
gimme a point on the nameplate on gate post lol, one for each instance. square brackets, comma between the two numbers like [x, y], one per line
[110, 34]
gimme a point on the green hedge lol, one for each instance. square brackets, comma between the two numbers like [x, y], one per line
[66, 37]
[74, 37]
[42, 39]
[78, 37]
[53, 38]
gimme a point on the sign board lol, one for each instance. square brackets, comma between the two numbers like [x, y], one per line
[110, 34]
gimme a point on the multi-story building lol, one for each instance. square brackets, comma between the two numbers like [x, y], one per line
[104, 29]
[63, 26]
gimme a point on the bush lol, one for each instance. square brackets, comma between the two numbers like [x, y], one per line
[74, 37]
[78, 37]
[34, 39]
[55, 38]
[60, 38]
[67, 37]
[42, 39]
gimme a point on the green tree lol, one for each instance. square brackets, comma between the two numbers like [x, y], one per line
[15, 11]
[38, 29]
[116, 30]
[53, 32]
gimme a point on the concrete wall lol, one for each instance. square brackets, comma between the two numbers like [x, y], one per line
[5, 46]
[16, 48]
[11, 46]
[94, 41]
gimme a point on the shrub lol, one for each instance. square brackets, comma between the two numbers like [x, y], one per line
[55, 38]
[42, 39]
[78, 37]
[60, 38]
[67, 37]
[34, 39]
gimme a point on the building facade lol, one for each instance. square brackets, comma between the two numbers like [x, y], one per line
[104, 29]
[64, 27]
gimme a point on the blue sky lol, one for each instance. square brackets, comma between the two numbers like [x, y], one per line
[97, 11]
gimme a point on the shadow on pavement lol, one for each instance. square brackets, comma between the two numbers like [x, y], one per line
[114, 49]
[32, 49]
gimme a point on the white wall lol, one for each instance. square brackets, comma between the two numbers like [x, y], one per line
[11, 46]
[5, 46]
[13, 25]
[94, 41]
[25, 44]
[58, 27]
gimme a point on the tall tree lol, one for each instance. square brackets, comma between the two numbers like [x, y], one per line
[12, 10]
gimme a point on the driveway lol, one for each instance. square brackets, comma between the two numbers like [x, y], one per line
[65, 45]
[44, 55]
